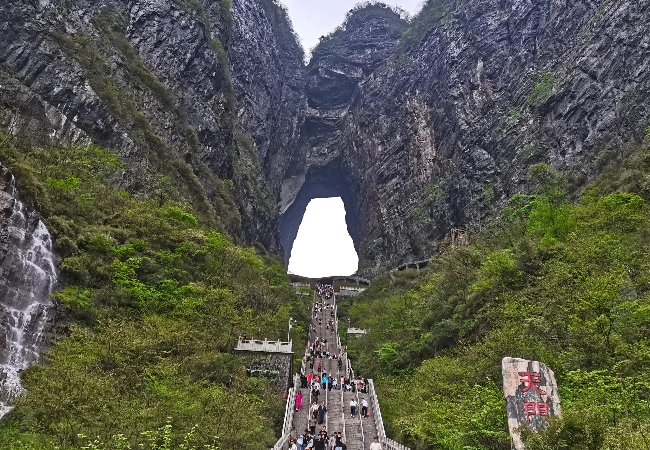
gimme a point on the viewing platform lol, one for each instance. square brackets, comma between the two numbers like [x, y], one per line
[356, 331]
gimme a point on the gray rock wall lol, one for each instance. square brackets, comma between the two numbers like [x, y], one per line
[444, 133]
[257, 363]
[418, 139]
[318, 167]
[151, 79]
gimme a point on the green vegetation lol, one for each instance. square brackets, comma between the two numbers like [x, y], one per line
[542, 90]
[153, 299]
[123, 97]
[647, 131]
[434, 13]
[287, 39]
[432, 198]
[515, 113]
[563, 283]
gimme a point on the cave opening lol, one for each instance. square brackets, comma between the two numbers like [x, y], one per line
[333, 228]
[323, 246]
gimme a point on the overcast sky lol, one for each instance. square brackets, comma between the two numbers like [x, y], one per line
[323, 246]
[315, 18]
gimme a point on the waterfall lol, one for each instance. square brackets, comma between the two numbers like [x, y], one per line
[27, 278]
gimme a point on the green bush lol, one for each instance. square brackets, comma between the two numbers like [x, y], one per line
[153, 301]
[542, 90]
[566, 284]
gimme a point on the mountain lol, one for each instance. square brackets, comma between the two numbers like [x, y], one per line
[421, 127]
[162, 154]
[444, 132]
[152, 80]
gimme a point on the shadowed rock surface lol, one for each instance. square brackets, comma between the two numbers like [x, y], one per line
[151, 79]
[339, 63]
[445, 131]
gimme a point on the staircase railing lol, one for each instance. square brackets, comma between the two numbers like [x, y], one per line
[356, 391]
[386, 443]
[288, 416]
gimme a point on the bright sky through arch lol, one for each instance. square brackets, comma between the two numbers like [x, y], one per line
[315, 18]
[323, 246]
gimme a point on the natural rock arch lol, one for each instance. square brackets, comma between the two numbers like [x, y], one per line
[325, 182]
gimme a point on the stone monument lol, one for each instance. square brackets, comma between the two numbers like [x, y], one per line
[531, 396]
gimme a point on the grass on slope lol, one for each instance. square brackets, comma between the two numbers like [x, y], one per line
[152, 301]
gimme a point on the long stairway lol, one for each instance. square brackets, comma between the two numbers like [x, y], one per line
[358, 432]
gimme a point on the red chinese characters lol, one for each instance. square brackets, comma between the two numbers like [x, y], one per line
[535, 409]
[531, 380]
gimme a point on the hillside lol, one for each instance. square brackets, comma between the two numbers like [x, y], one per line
[156, 160]
[548, 280]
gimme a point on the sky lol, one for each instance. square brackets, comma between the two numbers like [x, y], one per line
[315, 18]
[323, 247]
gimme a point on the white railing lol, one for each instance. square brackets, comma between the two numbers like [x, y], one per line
[345, 439]
[386, 443]
[356, 391]
[289, 411]
[288, 420]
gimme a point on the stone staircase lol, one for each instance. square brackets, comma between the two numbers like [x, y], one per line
[358, 432]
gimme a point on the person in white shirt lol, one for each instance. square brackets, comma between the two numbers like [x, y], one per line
[375, 445]
[353, 407]
[364, 408]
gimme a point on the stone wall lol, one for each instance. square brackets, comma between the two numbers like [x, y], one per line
[279, 362]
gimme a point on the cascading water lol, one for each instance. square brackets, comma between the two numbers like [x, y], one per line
[27, 278]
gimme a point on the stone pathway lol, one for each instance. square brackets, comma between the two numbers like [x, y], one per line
[358, 432]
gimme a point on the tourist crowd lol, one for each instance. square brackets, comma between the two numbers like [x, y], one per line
[317, 380]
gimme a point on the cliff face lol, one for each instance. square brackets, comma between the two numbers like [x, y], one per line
[340, 62]
[420, 127]
[268, 74]
[151, 80]
[444, 132]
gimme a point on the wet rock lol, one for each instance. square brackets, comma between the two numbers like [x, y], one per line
[28, 276]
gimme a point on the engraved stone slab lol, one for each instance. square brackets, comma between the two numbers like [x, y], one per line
[531, 396]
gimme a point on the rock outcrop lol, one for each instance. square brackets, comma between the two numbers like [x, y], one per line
[420, 127]
[339, 64]
[151, 79]
[444, 132]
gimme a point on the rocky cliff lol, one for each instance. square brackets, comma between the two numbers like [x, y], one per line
[341, 61]
[200, 100]
[444, 132]
[420, 126]
[152, 80]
